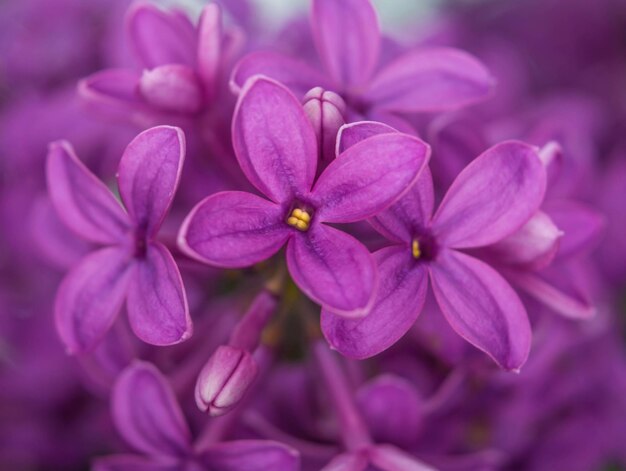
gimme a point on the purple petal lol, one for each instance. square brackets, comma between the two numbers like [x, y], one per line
[326, 111]
[411, 214]
[347, 38]
[210, 43]
[82, 201]
[582, 226]
[251, 455]
[333, 269]
[390, 458]
[274, 140]
[146, 413]
[148, 175]
[157, 304]
[353, 133]
[136, 463]
[90, 297]
[482, 307]
[295, 74]
[399, 300]
[492, 197]
[161, 38]
[429, 80]
[233, 229]
[348, 462]
[369, 176]
[112, 90]
[173, 88]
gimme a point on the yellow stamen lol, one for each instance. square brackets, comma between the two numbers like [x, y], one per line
[415, 249]
[299, 219]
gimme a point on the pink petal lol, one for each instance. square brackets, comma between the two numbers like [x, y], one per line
[210, 44]
[90, 298]
[492, 197]
[273, 140]
[146, 413]
[295, 74]
[369, 176]
[157, 304]
[347, 38]
[333, 269]
[326, 111]
[582, 226]
[353, 133]
[251, 455]
[398, 303]
[172, 88]
[113, 90]
[481, 307]
[233, 229]
[430, 80]
[82, 201]
[160, 37]
[390, 458]
[148, 175]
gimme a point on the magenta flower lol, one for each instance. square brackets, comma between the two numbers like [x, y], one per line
[348, 41]
[148, 417]
[276, 148]
[490, 199]
[131, 264]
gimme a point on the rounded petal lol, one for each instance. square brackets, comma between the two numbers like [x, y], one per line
[326, 111]
[297, 75]
[233, 229]
[430, 80]
[398, 303]
[210, 44]
[492, 197]
[251, 455]
[90, 297]
[274, 140]
[82, 201]
[333, 269]
[146, 413]
[582, 226]
[157, 303]
[353, 133]
[172, 88]
[347, 38]
[482, 307]
[369, 176]
[160, 37]
[148, 175]
[114, 91]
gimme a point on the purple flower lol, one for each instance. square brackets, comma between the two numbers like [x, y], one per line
[131, 264]
[277, 150]
[348, 41]
[147, 415]
[490, 199]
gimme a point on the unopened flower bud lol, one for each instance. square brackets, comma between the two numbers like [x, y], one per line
[225, 379]
[172, 87]
[326, 111]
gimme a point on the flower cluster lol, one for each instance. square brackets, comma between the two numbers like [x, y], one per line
[228, 248]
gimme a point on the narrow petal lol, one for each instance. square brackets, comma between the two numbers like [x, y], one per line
[90, 298]
[273, 140]
[347, 38]
[492, 197]
[233, 229]
[398, 303]
[482, 307]
[146, 413]
[430, 80]
[251, 455]
[582, 226]
[333, 269]
[136, 463]
[210, 44]
[369, 176]
[157, 304]
[159, 37]
[390, 458]
[348, 462]
[82, 201]
[411, 214]
[297, 75]
[148, 175]
[172, 88]
[353, 133]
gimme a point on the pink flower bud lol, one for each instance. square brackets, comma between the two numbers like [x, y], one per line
[225, 379]
[172, 87]
[326, 111]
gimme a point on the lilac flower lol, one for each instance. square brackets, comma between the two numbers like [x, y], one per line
[276, 148]
[147, 415]
[348, 42]
[131, 264]
[490, 199]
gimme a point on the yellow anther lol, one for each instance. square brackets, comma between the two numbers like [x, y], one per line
[415, 249]
[299, 219]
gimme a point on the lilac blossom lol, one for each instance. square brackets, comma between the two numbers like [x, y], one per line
[276, 148]
[130, 264]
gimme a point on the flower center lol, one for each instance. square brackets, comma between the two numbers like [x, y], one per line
[424, 247]
[300, 219]
[415, 249]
